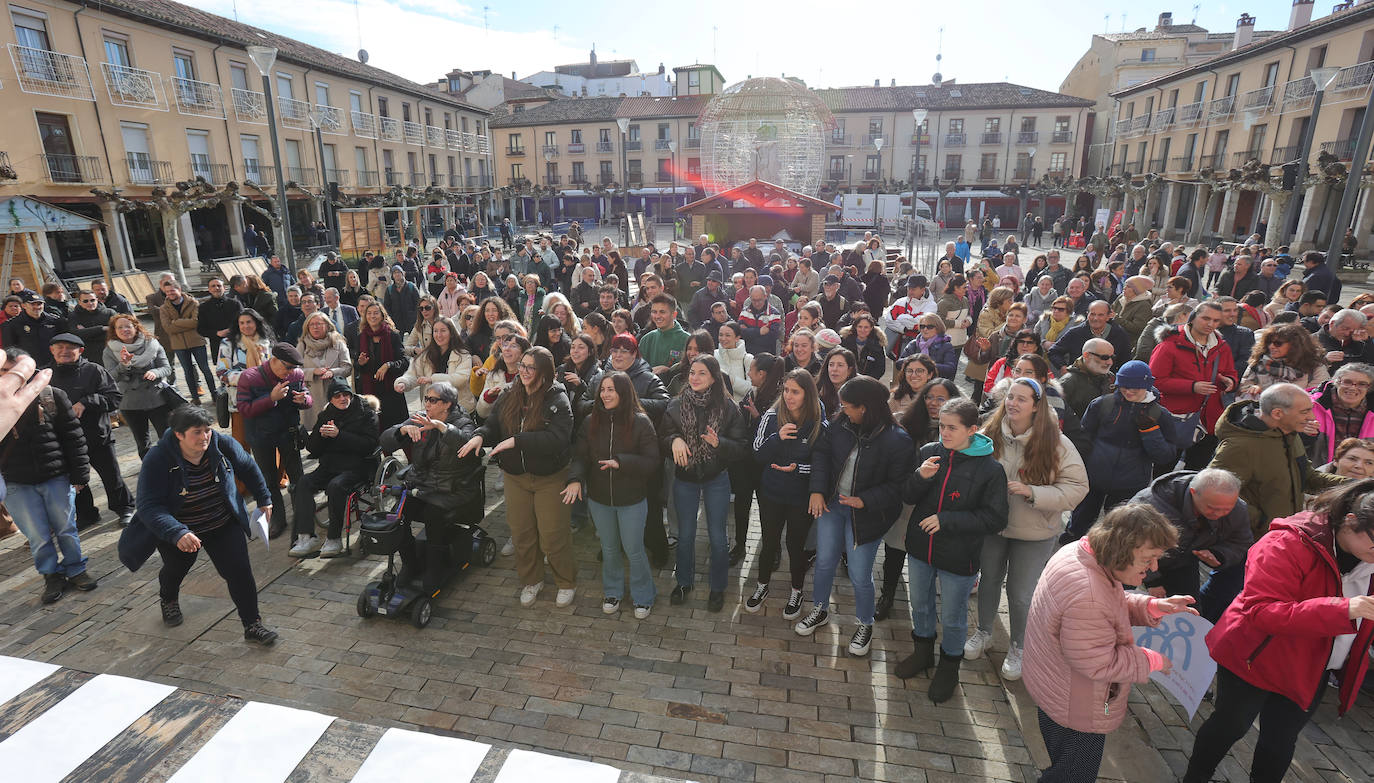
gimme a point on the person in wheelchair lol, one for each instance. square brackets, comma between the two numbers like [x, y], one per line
[345, 442]
[443, 487]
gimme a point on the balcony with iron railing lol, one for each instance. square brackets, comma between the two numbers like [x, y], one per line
[300, 175]
[292, 113]
[434, 137]
[1151, 61]
[1113, 169]
[330, 119]
[453, 140]
[1284, 155]
[258, 172]
[364, 124]
[1221, 109]
[368, 178]
[1022, 174]
[479, 180]
[73, 169]
[1162, 119]
[1257, 100]
[1209, 161]
[391, 129]
[604, 147]
[835, 175]
[455, 181]
[920, 139]
[44, 72]
[1343, 149]
[249, 106]
[1190, 114]
[838, 139]
[515, 152]
[1157, 165]
[918, 175]
[553, 179]
[481, 145]
[633, 145]
[663, 176]
[956, 139]
[662, 145]
[1181, 163]
[605, 179]
[198, 99]
[1243, 157]
[413, 132]
[991, 137]
[987, 175]
[419, 179]
[577, 148]
[693, 142]
[145, 171]
[1132, 167]
[871, 138]
[635, 179]
[214, 173]
[134, 87]
[951, 174]
[1352, 81]
[578, 179]
[872, 176]
[1055, 170]
[337, 176]
[393, 177]
[1027, 137]
[1062, 137]
[549, 150]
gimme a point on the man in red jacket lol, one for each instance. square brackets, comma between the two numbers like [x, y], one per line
[1193, 368]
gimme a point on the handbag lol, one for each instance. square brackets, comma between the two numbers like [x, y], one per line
[170, 396]
[222, 405]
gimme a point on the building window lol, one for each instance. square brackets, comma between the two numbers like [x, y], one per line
[694, 169]
[117, 51]
[872, 164]
[517, 171]
[550, 138]
[665, 169]
[1058, 161]
[606, 172]
[284, 86]
[987, 166]
[1147, 55]
[405, 112]
[1061, 123]
[30, 29]
[252, 161]
[692, 132]
[992, 124]
[663, 132]
[579, 171]
[382, 109]
[321, 94]
[238, 76]
[604, 136]
[956, 126]
[953, 165]
[875, 126]
[198, 144]
[694, 78]
[1028, 124]
[633, 133]
[575, 135]
[355, 101]
[519, 108]
[836, 165]
[550, 172]
[514, 145]
[184, 63]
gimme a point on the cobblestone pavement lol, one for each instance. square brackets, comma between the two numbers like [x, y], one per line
[683, 694]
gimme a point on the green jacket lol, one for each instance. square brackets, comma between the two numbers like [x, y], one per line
[663, 347]
[1273, 468]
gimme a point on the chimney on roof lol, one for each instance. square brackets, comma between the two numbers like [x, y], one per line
[876, 82]
[593, 58]
[894, 82]
[512, 76]
[1245, 31]
[1166, 19]
[1302, 13]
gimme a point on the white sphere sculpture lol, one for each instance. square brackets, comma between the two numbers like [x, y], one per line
[765, 128]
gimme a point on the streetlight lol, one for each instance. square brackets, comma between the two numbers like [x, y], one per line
[919, 115]
[264, 57]
[672, 177]
[1025, 188]
[1321, 79]
[624, 124]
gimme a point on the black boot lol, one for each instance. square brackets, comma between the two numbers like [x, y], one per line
[883, 607]
[946, 677]
[920, 660]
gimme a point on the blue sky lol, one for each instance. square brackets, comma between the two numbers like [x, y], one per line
[828, 44]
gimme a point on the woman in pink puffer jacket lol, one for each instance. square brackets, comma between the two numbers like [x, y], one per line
[1081, 656]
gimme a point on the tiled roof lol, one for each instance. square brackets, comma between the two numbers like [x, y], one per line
[603, 69]
[975, 95]
[602, 109]
[1332, 21]
[679, 106]
[217, 29]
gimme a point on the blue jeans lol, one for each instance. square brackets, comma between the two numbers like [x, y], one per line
[835, 534]
[622, 527]
[189, 358]
[686, 496]
[46, 515]
[954, 591]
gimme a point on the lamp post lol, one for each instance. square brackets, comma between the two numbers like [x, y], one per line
[919, 116]
[1025, 191]
[264, 57]
[672, 177]
[548, 158]
[624, 124]
[1321, 79]
[326, 211]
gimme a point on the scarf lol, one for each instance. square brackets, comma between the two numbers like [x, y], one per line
[316, 348]
[252, 352]
[143, 357]
[1276, 370]
[1056, 328]
[693, 403]
[369, 383]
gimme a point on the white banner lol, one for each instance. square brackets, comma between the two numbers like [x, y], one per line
[1182, 639]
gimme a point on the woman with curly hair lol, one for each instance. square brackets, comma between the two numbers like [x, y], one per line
[912, 374]
[1283, 354]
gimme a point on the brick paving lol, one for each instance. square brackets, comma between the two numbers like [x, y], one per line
[684, 694]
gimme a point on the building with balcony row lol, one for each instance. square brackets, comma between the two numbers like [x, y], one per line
[139, 94]
[1253, 102]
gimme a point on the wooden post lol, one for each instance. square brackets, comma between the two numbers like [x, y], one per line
[99, 237]
[8, 269]
[45, 271]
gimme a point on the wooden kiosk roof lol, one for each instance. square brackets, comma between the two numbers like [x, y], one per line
[762, 196]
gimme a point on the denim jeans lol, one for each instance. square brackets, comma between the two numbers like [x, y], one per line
[622, 528]
[190, 357]
[1019, 563]
[686, 496]
[835, 534]
[46, 515]
[954, 590]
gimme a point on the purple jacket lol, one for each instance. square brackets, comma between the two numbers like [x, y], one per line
[266, 420]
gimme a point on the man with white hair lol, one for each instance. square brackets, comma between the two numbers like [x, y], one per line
[1137, 259]
[1339, 342]
[1098, 324]
[1133, 309]
[1213, 529]
[955, 261]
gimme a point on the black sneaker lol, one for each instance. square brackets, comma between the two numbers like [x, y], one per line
[863, 637]
[816, 619]
[679, 596]
[171, 613]
[53, 587]
[736, 554]
[794, 605]
[715, 601]
[259, 633]
[755, 602]
[82, 582]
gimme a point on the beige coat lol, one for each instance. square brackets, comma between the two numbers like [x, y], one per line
[1042, 516]
[989, 321]
[337, 360]
[180, 323]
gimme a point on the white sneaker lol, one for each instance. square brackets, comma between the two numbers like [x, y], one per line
[565, 597]
[508, 549]
[977, 644]
[530, 592]
[1011, 667]
[333, 547]
[642, 612]
[610, 605]
[306, 545]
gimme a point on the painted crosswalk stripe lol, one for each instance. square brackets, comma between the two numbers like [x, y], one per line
[18, 675]
[57, 741]
[421, 758]
[262, 743]
[523, 766]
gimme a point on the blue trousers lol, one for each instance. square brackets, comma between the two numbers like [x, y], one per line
[953, 609]
[686, 497]
[835, 534]
[622, 528]
[46, 515]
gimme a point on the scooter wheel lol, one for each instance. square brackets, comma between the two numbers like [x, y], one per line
[421, 613]
[365, 607]
[488, 551]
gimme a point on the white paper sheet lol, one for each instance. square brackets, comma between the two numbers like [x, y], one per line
[18, 675]
[258, 520]
[262, 743]
[71, 731]
[417, 757]
[1182, 639]
[523, 766]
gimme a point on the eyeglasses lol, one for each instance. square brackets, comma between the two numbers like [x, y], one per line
[527, 367]
[433, 400]
[1106, 357]
[1025, 342]
[927, 326]
[1352, 384]
[1060, 309]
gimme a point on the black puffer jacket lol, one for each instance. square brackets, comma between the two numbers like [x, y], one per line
[45, 443]
[637, 454]
[91, 385]
[969, 496]
[354, 448]
[883, 463]
[653, 395]
[540, 452]
[435, 468]
[733, 433]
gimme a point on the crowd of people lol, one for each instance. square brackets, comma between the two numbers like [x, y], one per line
[1053, 434]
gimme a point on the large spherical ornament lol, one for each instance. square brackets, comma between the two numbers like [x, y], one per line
[765, 128]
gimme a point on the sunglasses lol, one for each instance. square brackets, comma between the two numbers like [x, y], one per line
[927, 326]
[1106, 357]
[1059, 309]
[433, 400]
[426, 307]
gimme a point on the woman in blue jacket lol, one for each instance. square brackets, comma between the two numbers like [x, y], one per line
[933, 342]
[857, 471]
[786, 436]
[959, 496]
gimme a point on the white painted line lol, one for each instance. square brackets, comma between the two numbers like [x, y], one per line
[262, 743]
[416, 757]
[523, 766]
[71, 731]
[18, 675]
